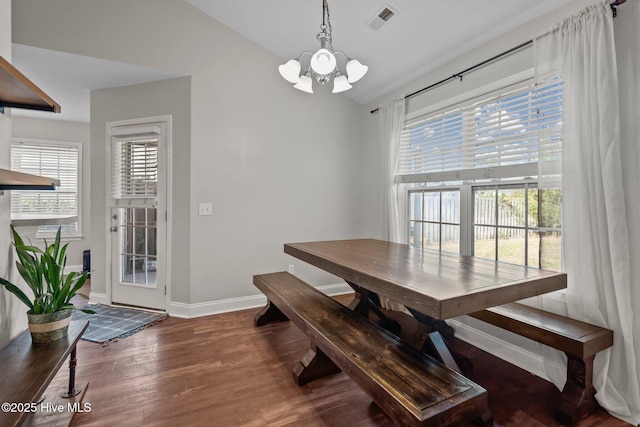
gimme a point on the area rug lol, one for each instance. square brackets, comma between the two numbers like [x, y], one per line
[113, 323]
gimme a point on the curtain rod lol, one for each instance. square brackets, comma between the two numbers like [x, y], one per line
[461, 74]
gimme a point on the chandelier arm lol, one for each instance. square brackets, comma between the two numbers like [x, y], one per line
[346, 59]
[303, 54]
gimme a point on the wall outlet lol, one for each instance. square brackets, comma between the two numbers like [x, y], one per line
[205, 209]
[292, 269]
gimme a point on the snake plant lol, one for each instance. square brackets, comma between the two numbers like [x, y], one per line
[43, 271]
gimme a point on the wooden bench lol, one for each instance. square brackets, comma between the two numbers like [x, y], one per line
[412, 388]
[580, 341]
[28, 368]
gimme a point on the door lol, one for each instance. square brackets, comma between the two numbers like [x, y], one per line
[138, 214]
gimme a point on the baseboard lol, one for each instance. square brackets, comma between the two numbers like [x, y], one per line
[188, 311]
[505, 350]
[71, 268]
[96, 298]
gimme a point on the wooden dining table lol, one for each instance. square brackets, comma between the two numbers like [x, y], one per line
[438, 284]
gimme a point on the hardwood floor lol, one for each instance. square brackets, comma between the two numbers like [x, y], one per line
[223, 371]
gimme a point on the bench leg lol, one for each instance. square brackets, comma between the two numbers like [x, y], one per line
[577, 398]
[73, 361]
[485, 420]
[269, 313]
[315, 364]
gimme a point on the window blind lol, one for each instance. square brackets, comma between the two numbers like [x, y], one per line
[60, 161]
[135, 167]
[496, 132]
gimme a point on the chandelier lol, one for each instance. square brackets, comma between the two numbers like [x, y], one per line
[323, 65]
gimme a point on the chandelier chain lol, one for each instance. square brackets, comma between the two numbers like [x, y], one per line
[328, 17]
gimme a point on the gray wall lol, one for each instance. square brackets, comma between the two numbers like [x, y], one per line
[12, 317]
[277, 164]
[164, 97]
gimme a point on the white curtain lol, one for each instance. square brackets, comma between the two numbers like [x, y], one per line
[600, 206]
[392, 118]
[391, 122]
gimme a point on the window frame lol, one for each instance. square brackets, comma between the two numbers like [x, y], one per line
[468, 180]
[53, 220]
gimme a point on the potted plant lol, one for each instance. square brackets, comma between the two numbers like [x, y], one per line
[50, 309]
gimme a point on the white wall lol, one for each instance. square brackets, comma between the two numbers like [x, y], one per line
[278, 165]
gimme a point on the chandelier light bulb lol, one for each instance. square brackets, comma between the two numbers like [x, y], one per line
[323, 61]
[290, 71]
[305, 84]
[355, 70]
[340, 83]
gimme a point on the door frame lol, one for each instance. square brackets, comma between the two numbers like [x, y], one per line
[168, 121]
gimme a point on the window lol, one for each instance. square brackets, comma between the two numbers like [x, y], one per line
[134, 190]
[434, 219]
[471, 173]
[54, 160]
[135, 167]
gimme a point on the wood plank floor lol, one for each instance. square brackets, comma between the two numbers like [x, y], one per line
[223, 371]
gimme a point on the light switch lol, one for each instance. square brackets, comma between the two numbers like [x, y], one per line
[205, 209]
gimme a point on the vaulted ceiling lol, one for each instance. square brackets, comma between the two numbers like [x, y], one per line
[421, 36]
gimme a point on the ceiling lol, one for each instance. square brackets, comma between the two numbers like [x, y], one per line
[69, 78]
[423, 35]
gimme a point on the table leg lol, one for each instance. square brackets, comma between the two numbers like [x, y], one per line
[73, 361]
[439, 349]
[360, 303]
[315, 364]
[365, 300]
[432, 343]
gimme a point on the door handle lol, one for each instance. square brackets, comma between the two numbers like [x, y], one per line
[113, 229]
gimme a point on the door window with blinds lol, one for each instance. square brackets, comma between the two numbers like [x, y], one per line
[471, 172]
[135, 167]
[134, 196]
[60, 206]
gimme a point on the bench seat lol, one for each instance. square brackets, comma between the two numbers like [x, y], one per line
[413, 389]
[580, 341]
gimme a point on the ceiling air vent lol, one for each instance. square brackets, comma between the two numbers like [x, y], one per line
[381, 17]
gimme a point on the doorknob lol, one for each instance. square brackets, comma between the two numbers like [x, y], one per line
[113, 229]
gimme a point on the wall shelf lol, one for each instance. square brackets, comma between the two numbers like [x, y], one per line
[25, 220]
[11, 180]
[17, 91]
